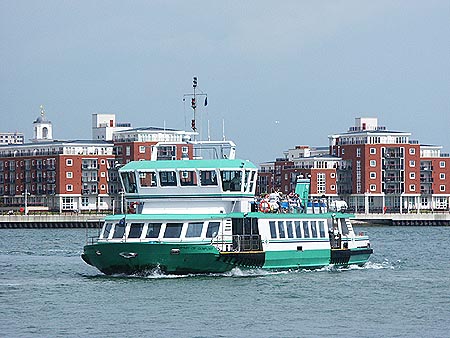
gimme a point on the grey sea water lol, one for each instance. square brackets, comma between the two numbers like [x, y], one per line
[46, 290]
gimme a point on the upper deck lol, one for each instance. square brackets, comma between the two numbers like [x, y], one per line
[218, 184]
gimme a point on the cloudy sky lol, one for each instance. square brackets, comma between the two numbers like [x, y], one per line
[278, 73]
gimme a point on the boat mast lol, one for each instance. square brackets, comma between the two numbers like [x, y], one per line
[194, 103]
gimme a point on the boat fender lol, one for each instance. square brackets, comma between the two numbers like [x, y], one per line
[264, 206]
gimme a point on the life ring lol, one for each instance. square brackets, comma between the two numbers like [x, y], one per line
[264, 206]
[132, 208]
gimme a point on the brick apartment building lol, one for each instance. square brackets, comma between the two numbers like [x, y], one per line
[371, 168]
[79, 175]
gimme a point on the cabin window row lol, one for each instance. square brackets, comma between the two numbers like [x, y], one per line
[230, 180]
[297, 229]
[142, 230]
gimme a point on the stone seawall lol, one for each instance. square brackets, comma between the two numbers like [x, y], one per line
[412, 219]
[50, 221]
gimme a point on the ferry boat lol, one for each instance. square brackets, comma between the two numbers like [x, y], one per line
[201, 216]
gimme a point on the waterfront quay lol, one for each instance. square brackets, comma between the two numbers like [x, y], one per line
[94, 220]
[50, 221]
[404, 219]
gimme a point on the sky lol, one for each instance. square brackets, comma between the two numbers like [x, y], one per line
[277, 73]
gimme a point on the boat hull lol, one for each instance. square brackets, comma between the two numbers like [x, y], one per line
[176, 258]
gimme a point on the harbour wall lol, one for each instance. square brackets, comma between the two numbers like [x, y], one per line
[94, 220]
[411, 219]
[50, 221]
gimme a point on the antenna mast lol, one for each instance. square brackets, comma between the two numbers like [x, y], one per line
[194, 103]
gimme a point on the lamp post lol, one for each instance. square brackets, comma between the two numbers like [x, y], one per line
[25, 194]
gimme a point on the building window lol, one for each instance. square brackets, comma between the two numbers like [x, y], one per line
[142, 149]
[127, 151]
[69, 162]
[358, 152]
[373, 175]
[373, 151]
[373, 187]
[333, 187]
[84, 201]
[373, 163]
[103, 161]
[333, 175]
[442, 187]
[412, 163]
[412, 187]
[321, 183]
[69, 174]
[412, 151]
[102, 187]
[412, 176]
[102, 174]
[69, 187]
[442, 164]
[442, 176]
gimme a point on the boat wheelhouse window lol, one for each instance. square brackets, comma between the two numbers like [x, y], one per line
[212, 230]
[298, 231]
[135, 230]
[106, 230]
[322, 229]
[168, 178]
[173, 230]
[246, 182]
[281, 229]
[313, 229]
[153, 230]
[129, 181]
[147, 179]
[273, 230]
[231, 180]
[252, 181]
[188, 178]
[194, 229]
[289, 229]
[208, 177]
[344, 228]
[119, 230]
[305, 229]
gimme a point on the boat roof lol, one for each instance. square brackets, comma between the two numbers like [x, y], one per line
[189, 164]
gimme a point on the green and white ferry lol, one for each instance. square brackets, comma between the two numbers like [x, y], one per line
[200, 216]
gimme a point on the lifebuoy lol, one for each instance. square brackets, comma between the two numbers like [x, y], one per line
[132, 208]
[264, 206]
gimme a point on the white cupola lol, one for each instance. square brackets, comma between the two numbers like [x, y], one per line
[42, 128]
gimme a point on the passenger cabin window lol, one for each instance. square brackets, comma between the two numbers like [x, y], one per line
[322, 229]
[298, 231]
[119, 230]
[273, 230]
[212, 230]
[168, 178]
[153, 230]
[281, 229]
[289, 229]
[313, 229]
[305, 229]
[194, 229]
[135, 230]
[188, 178]
[147, 179]
[173, 230]
[107, 230]
[129, 182]
[231, 180]
[208, 177]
